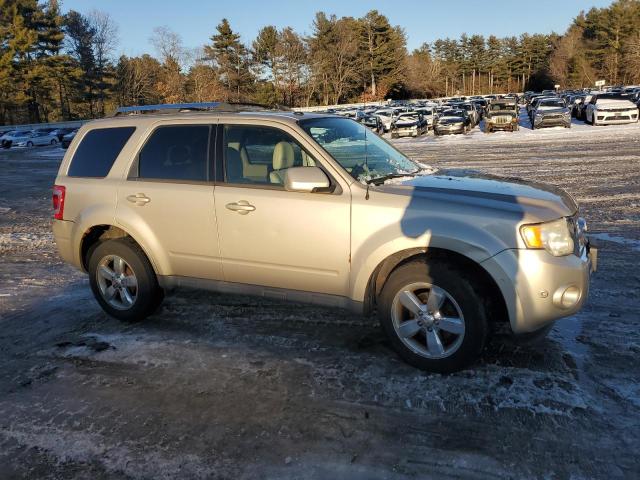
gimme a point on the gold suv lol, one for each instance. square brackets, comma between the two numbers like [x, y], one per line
[314, 208]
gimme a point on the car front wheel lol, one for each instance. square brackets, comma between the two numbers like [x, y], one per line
[433, 316]
[123, 281]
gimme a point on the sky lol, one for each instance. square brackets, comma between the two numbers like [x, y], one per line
[422, 20]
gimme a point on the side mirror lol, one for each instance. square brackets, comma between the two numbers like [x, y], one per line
[306, 179]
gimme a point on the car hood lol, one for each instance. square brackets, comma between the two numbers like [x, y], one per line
[450, 119]
[543, 201]
[406, 123]
[544, 109]
[614, 103]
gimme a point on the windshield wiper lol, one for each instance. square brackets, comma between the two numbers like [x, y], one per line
[384, 178]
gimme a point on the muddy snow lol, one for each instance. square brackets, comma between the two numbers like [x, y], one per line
[221, 386]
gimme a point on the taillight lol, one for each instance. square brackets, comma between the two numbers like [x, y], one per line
[58, 201]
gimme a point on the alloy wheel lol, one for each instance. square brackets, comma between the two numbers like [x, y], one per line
[117, 282]
[428, 320]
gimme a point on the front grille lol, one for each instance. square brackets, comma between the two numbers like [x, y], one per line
[501, 119]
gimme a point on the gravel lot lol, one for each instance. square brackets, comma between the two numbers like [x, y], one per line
[218, 386]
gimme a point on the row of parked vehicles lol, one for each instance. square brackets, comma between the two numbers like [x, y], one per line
[37, 137]
[456, 115]
[596, 107]
[459, 115]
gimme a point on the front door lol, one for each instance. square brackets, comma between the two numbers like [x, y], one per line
[272, 237]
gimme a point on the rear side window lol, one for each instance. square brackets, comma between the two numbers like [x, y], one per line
[98, 150]
[178, 152]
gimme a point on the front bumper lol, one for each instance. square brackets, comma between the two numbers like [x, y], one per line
[503, 126]
[539, 288]
[616, 118]
[552, 122]
[442, 129]
[405, 132]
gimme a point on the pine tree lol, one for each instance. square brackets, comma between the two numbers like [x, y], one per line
[231, 58]
[383, 49]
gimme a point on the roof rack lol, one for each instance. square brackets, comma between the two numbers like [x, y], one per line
[193, 107]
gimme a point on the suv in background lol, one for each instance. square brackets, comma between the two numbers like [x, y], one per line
[312, 208]
[550, 112]
[610, 109]
[501, 115]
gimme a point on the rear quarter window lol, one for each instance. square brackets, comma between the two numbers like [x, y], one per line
[98, 150]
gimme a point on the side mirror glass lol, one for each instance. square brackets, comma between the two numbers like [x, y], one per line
[306, 179]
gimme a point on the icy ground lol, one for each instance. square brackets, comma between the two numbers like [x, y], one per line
[229, 387]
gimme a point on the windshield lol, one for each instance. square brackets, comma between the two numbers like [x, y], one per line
[501, 106]
[552, 103]
[613, 96]
[360, 152]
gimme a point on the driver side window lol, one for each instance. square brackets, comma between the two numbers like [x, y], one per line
[260, 155]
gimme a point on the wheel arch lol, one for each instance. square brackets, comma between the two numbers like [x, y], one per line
[487, 286]
[97, 234]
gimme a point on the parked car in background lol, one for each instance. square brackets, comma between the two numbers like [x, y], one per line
[8, 139]
[502, 115]
[373, 122]
[409, 124]
[36, 138]
[61, 132]
[386, 117]
[429, 113]
[608, 109]
[68, 138]
[473, 112]
[452, 122]
[550, 112]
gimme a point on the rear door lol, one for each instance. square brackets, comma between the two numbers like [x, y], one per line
[167, 196]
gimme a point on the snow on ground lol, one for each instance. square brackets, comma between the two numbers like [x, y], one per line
[232, 387]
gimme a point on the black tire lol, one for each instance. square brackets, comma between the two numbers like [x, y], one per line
[29, 144]
[54, 141]
[148, 293]
[460, 285]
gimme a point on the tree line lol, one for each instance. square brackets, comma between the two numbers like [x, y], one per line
[56, 66]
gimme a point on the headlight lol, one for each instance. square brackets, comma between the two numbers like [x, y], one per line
[553, 236]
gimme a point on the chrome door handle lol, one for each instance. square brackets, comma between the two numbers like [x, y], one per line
[139, 199]
[242, 207]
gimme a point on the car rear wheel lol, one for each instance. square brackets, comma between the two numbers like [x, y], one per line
[29, 144]
[54, 141]
[433, 316]
[123, 281]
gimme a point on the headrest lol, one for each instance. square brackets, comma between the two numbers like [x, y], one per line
[283, 156]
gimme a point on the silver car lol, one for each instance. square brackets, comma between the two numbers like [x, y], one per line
[314, 208]
[35, 138]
